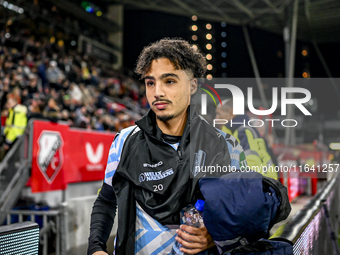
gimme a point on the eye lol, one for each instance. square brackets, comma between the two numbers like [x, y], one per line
[170, 81]
[149, 83]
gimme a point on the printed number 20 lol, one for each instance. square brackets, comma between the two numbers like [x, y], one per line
[158, 187]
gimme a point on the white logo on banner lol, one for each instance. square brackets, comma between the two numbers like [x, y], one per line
[94, 156]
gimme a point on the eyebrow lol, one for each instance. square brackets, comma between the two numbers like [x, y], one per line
[162, 76]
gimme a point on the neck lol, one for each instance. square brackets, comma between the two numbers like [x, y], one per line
[174, 126]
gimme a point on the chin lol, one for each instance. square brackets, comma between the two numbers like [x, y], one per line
[164, 117]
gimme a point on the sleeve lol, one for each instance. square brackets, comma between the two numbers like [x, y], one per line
[105, 206]
[113, 160]
[10, 136]
[103, 214]
[10, 131]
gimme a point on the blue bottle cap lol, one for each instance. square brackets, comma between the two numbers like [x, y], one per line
[200, 205]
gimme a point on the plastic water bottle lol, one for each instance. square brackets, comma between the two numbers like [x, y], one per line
[193, 217]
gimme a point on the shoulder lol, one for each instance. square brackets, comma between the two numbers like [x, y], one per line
[231, 140]
[243, 131]
[126, 131]
[116, 151]
[121, 137]
[20, 108]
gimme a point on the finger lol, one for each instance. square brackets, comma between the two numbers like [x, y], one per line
[188, 237]
[190, 251]
[192, 230]
[189, 245]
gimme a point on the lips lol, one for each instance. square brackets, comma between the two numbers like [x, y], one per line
[161, 105]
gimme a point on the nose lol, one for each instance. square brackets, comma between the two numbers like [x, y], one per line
[159, 90]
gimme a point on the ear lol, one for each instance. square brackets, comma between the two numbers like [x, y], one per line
[193, 86]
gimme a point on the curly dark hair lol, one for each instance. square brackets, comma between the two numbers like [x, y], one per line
[180, 53]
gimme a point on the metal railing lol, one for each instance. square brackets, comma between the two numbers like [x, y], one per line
[313, 229]
[14, 173]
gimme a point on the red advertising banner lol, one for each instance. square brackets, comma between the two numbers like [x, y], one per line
[88, 155]
[62, 155]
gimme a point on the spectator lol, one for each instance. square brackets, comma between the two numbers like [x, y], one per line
[16, 93]
[81, 120]
[253, 145]
[65, 85]
[85, 73]
[5, 90]
[99, 99]
[33, 84]
[98, 120]
[16, 122]
[67, 104]
[54, 75]
[65, 115]
[75, 94]
[52, 111]
[268, 139]
[42, 72]
[35, 109]
[87, 97]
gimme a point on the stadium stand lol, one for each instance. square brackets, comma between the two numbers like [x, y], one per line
[68, 87]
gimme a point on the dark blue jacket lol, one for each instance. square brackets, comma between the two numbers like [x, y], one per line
[240, 208]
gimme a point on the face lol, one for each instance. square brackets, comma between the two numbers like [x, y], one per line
[51, 103]
[10, 103]
[168, 90]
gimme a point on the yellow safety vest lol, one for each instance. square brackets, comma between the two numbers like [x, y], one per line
[257, 156]
[16, 123]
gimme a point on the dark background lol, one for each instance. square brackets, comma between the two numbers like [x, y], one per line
[143, 27]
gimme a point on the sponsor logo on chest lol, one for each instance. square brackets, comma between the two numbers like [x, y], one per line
[153, 165]
[155, 176]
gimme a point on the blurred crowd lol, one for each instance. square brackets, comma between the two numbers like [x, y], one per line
[56, 84]
[69, 87]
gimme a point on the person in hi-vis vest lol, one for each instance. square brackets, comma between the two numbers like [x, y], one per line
[16, 122]
[253, 144]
